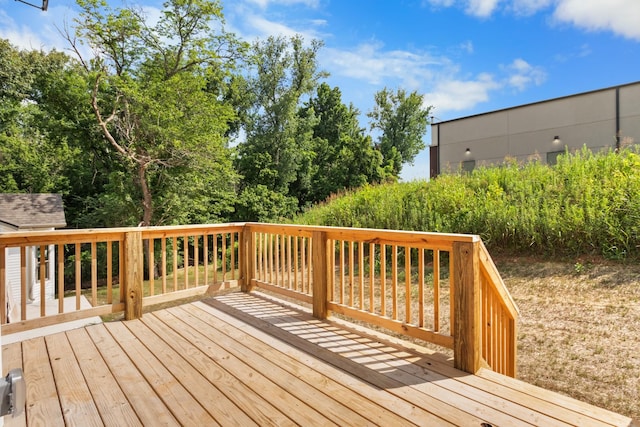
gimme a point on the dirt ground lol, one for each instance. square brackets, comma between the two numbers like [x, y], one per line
[579, 329]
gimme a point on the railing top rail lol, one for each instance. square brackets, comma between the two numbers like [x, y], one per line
[400, 237]
[27, 238]
[497, 283]
[182, 230]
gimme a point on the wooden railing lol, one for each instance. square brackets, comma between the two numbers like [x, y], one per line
[441, 288]
[77, 274]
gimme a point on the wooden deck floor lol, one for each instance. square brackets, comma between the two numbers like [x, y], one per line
[245, 360]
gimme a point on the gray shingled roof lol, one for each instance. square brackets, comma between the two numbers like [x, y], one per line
[42, 210]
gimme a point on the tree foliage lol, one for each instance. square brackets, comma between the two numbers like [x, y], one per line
[151, 101]
[137, 126]
[33, 156]
[343, 156]
[277, 145]
[402, 120]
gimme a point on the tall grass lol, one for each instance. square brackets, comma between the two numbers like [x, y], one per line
[589, 203]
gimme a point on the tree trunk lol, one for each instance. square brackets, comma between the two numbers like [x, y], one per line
[147, 203]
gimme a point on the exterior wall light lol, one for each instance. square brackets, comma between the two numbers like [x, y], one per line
[556, 139]
[467, 152]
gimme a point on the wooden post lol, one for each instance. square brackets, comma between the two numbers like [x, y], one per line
[248, 258]
[467, 333]
[133, 275]
[320, 262]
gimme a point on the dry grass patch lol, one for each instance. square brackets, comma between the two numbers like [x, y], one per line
[579, 330]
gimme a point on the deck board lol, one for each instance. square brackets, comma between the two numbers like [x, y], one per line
[173, 393]
[148, 406]
[43, 403]
[247, 359]
[255, 406]
[78, 407]
[111, 402]
[12, 353]
[328, 381]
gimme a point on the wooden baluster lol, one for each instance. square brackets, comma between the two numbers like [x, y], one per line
[320, 268]
[372, 276]
[163, 248]
[109, 273]
[94, 273]
[60, 270]
[436, 290]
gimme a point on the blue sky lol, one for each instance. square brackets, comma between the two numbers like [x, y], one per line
[465, 56]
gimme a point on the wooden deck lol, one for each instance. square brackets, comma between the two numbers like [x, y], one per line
[246, 359]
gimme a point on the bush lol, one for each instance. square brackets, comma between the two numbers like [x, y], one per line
[589, 203]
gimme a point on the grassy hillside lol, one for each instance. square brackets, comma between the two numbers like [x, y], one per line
[586, 204]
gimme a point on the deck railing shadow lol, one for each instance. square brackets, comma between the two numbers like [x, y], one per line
[384, 365]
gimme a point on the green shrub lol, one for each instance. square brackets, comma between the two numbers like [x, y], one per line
[589, 203]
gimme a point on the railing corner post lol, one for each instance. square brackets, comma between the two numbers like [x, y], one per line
[320, 274]
[133, 275]
[467, 332]
[248, 258]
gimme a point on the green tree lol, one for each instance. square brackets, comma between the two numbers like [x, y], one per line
[402, 120]
[343, 156]
[152, 97]
[277, 145]
[31, 159]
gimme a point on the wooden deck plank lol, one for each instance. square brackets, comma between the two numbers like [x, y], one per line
[269, 362]
[174, 395]
[407, 368]
[12, 359]
[523, 406]
[250, 359]
[212, 400]
[43, 406]
[553, 402]
[302, 366]
[436, 410]
[383, 360]
[255, 406]
[536, 399]
[299, 411]
[326, 336]
[149, 408]
[113, 406]
[78, 407]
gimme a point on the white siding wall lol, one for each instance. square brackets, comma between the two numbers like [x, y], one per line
[13, 276]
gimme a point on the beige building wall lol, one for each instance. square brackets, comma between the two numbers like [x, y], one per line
[529, 131]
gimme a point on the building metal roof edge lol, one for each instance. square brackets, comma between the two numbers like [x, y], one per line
[537, 102]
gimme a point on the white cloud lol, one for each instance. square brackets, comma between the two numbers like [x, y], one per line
[266, 3]
[458, 95]
[265, 28]
[583, 51]
[250, 26]
[43, 32]
[442, 3]
[481, 8]
[371, 63]
[521, 75]
[467, 46]
[619, 16]
[528, 7]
